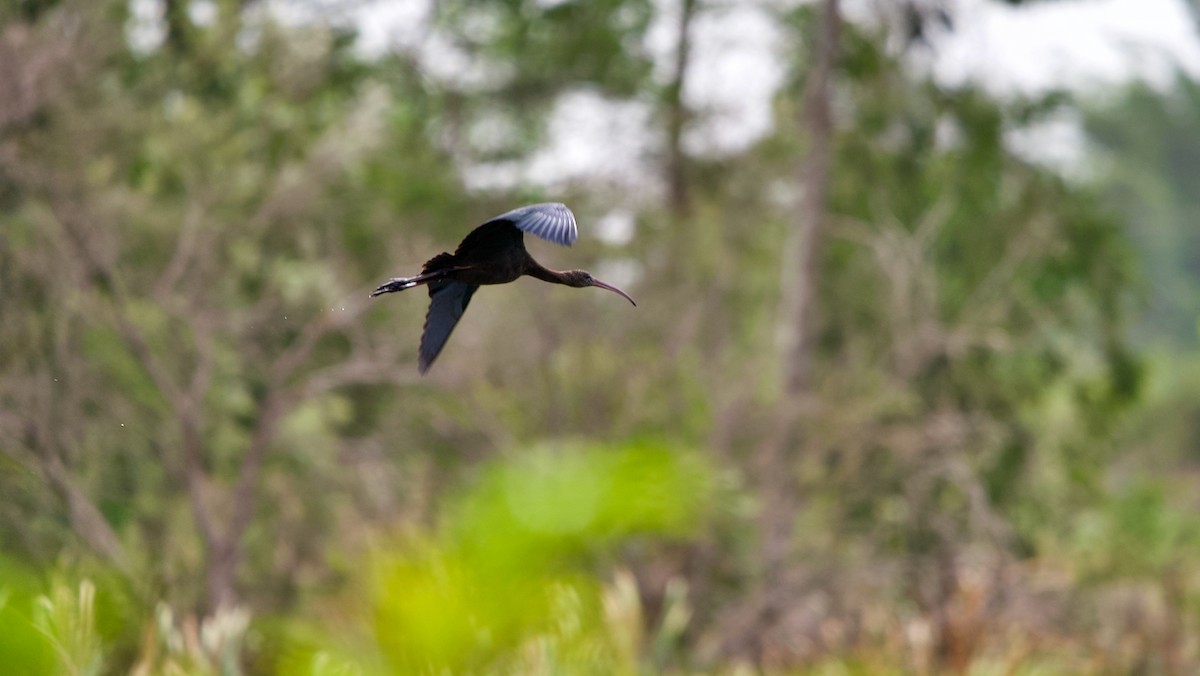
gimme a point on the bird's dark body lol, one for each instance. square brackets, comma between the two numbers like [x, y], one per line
[493, 253]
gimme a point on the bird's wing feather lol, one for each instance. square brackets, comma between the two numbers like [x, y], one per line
[551, 221]
[448, 302]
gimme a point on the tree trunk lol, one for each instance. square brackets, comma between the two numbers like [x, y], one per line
[775, 458]
[800, 310]
[775, 461]
[222, 571]
[677, 114]
[178, 24]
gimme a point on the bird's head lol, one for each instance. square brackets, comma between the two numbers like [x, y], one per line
[582, 278]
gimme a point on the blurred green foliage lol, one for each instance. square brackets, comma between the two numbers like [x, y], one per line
[502, 583]
[57, 625]
[1147, 150]
[215, 457]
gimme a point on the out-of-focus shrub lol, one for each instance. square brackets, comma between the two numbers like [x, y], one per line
[507, 580]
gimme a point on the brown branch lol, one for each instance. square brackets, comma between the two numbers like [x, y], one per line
[39, 433]
[188, 409]
[260, 440]
[145, 356]
[363, 371]
[202, 372]
[195, 479]
[1020, 249]
[39, 62]
[903, 254]
[187, 406]
[185, 248]
[279, 401]
[86, 519]
[112, 281]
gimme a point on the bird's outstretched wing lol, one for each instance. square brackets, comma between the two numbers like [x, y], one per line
[551, 221]
[448, 301]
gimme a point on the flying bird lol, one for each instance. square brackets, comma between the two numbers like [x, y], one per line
[493, 253]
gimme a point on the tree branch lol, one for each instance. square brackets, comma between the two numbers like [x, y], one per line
[86, 519]
[280, 400]
[185, 249]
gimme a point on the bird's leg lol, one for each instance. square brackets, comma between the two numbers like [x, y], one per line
[396, 284]
[402, 283]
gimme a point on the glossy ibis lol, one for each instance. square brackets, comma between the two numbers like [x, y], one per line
[493, 253]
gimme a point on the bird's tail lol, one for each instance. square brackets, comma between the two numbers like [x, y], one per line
[434, 269]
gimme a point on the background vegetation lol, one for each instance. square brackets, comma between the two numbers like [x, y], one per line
[896, 398]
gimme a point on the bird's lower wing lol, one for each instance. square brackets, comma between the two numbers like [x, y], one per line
[448, 302]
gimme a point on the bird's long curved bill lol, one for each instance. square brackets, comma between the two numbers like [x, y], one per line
[610, 287]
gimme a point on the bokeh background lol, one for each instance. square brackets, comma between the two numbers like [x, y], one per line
[913, 385]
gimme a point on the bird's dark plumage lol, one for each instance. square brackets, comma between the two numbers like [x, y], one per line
[493, 253]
